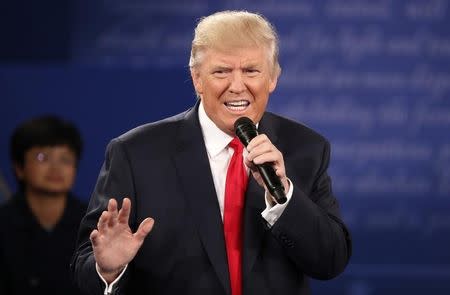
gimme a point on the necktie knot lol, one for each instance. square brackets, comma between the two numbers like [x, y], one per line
[236, 145]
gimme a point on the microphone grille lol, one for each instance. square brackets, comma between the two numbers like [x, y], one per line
[243, 122]
[245, 130]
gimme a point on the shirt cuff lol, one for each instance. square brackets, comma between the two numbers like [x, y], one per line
[273, 212]
[109, 287]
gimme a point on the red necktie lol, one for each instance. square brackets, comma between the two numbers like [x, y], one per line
[235, 187]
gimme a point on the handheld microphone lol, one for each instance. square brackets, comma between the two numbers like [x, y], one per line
[245, 130]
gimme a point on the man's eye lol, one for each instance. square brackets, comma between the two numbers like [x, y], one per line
[220, 73]
[252, 71]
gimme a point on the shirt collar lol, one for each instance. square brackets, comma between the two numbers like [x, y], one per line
[215, 139]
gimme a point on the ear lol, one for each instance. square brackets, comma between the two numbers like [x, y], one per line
[19, 171]
[273, 83]
[196, 80]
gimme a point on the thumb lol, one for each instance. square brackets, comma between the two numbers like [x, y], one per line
[144, 228]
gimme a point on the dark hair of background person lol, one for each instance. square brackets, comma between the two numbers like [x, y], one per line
[48, 130]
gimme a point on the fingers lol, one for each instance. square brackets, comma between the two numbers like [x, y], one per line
[103, 221]
[94, 237]
[144, 228]
[112, 209]
[261, 150]
[109, 217]
[112, 216]
[250, 164]
[265, 149]
[124, 212]
[257, 141]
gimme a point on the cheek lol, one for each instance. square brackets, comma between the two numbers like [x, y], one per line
[70, 173]
[33, 176]
[35, 172]
[69, 180]
[260, 92]
[217, 87]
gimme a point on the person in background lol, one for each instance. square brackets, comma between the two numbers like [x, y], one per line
[38, 224]
[4, 189]
[195, 216]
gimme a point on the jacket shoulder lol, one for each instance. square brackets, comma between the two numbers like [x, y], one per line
[159, 133]
[295, 130]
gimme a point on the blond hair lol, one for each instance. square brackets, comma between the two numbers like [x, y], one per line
[230, 29]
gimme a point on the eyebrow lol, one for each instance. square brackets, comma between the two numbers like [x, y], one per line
[224, 67]
[217, 67]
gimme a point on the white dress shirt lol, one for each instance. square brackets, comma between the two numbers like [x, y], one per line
[219, 156]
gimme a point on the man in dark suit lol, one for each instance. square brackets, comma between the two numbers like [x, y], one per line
[178, 172]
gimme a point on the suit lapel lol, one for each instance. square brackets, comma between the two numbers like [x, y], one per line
[194, 172]
[198, 187]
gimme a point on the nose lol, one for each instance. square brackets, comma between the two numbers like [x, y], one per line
[237, 84]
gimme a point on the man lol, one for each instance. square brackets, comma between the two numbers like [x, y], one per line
[39, 223]
[177, 171]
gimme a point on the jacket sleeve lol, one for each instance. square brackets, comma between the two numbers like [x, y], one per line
[311, 230]
[115, 181]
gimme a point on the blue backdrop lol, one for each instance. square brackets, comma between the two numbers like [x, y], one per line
[372, 76]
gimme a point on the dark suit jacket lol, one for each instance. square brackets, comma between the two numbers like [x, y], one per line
[163, 167]
[32, 259]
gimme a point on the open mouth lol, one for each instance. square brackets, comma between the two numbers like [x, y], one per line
[238, 105]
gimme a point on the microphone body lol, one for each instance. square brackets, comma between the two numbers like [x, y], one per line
[245, 130]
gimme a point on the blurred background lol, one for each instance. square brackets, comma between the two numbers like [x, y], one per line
[373, 76]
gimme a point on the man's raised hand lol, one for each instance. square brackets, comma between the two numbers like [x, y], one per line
[113, 242]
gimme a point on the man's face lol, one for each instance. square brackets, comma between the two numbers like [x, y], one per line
[48, 169]
[234, 83]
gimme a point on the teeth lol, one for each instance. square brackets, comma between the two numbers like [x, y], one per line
[240, 103]
[237, 105]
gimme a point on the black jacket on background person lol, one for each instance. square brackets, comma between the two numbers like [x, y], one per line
[34, 260]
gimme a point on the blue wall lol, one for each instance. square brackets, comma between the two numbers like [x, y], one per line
[372, 76]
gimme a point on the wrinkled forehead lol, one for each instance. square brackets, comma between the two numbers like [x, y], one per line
[234, 54]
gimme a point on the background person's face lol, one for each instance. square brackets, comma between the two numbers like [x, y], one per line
[48, 169]
[234, 83]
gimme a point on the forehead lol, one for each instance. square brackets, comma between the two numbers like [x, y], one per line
[62, 149]
[236, 56]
